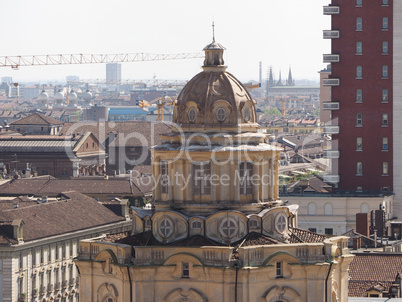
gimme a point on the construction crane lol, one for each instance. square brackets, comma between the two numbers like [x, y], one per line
[34, 60]
[163, 101]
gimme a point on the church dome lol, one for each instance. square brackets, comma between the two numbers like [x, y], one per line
[72, 96]
[87, 96]
[214, 100]
[59, 96]
[43, 96]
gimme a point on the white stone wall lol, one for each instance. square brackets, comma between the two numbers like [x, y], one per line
[397, 107]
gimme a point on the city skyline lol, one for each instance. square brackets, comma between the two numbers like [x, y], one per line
[275, 33]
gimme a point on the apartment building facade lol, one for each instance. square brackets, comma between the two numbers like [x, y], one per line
[364, 94]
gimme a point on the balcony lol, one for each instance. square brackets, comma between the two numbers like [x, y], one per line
[330, 58]
[331, 154]
[331, 130]
[331, 10]
[330, 106]
[331, 34]
[331, 178]
[330, 82]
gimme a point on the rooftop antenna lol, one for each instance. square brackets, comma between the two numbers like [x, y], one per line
[213, 31]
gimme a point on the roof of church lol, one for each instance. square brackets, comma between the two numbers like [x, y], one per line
[73, 213]
[37, 119]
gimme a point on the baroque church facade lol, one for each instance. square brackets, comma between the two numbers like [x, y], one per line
[217, 230]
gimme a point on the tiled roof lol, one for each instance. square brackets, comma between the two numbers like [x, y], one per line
[254, 238]
[369, 269]
[131, 133]
[53, 187]
[37, 119]
[76, 212]
[305, 236]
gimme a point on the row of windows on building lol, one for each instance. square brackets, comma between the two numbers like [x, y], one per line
[359, 3]
[384, 72]
[384, 96]
[384, 120]
[45, 255]
[359, 168]
[384, 49]
[384, 25]
[202, 178]
[359, 144]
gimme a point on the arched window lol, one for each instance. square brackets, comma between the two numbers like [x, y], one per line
[328, 209]
[364, 208]
[312, 209]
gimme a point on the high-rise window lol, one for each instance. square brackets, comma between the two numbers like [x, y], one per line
[385, 72]
[385, 47]
[359, 96]
[359, 48]
[359, 2]
[384, 2]
[385, 168]
[202, 178]
[359, 72]
[359, 144]
[385, 23]
[359, 23]
[384, 121]
[385, 95]
[359, 168]
[359, 119]
[385, 143]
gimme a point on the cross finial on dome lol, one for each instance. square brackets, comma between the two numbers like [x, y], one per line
[213, 31]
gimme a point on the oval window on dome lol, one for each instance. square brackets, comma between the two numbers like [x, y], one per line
[192, 115]
[221, 114]
[246, 114]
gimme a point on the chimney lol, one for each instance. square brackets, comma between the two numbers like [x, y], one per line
[357, 243]
[362, 224]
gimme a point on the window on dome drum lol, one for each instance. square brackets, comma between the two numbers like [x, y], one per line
[253, 223]
[384, 119]
[359, 72]
[385, 47]
[385, 143]
[279, 269]
[359, 48]
[359, 120]
[359, 23]
[185, 270]
[164, 180]
[246, 174]
[359, 144]
[385, 95]
[281, 223]
[228, 228]
[359, 96]
[359, 168]
[385, 23]
[202, 178]
[192, 114]
[385, 72]
[385, 168]
[221, 114]
[196, 225]
[166, 228]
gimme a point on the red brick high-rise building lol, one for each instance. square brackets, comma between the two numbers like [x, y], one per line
[365, 95]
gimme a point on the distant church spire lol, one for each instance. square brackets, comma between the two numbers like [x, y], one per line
[213, 31]
[290, 79]
[280, 83]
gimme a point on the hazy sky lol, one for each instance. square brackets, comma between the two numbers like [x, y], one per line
[278, 33]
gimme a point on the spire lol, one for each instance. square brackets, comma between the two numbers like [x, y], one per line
[213, 53]
[290, 79]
